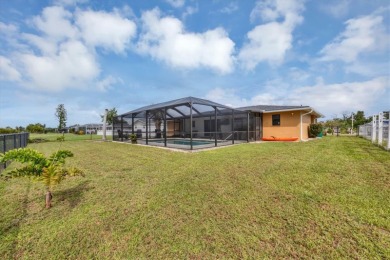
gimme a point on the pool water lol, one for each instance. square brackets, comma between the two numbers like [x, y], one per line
[184, 142]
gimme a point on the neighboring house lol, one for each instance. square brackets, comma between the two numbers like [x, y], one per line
[86, 128]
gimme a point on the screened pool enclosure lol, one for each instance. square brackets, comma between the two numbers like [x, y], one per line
[188, 123]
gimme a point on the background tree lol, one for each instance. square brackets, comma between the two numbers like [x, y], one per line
[36, 128]
[62, 116]
[158, 117]
[358, 119]
[111, 114]
[345, 123]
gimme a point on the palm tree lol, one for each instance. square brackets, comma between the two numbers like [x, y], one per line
[158, 117]
[50, 171]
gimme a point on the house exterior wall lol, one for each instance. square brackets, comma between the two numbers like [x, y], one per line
[289, 124]
[306, 121]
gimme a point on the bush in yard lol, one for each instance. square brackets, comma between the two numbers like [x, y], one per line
[133, 138]
[50, 171]
[315, 130]
[37, 140]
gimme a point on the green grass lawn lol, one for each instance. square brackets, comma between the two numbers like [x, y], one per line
[326, 198]
[68, 137]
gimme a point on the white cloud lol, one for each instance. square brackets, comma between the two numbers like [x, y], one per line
[45, 46]
[74, 66]
[108, 30]
[226, 97]
[269, 42]
[298, 75]
[8, 29]
[230, 8]
[271, 10]
[9, 34]
[67, 57]
[7, 70]
[347, 96]
[70, 2]
[369, 69]
[361, 35]
[189, 11]
[165, 39]
[176, 3]
[328, 99]
[338, 8]
[107, 82]
[55, 22]
[229, 97]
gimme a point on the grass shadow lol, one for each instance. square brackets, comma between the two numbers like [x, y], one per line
[14, 225]
[72, 195]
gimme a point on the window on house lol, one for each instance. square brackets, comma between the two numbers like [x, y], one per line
[276, 119]
[193, 123]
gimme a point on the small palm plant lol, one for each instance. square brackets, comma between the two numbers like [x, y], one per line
[50, 171]
[133, 138]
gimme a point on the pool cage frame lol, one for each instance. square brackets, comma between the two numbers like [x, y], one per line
[188, 123]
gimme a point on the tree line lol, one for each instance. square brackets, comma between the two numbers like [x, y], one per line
[344, 123]
[62, 117]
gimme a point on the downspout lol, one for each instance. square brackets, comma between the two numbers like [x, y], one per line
[301, 122]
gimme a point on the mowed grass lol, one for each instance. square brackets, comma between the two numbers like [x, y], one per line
[326, 198]
[68, 137]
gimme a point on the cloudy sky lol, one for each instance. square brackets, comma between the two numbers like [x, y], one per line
[333, 55]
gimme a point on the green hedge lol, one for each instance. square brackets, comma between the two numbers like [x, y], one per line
[315, 130]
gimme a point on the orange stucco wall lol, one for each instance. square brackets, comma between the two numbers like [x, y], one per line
[289, 125]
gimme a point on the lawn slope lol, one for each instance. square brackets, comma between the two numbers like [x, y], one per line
[324, 198]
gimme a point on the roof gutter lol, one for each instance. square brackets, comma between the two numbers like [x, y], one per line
[302, 120]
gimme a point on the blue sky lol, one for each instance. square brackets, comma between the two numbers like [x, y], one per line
[333, 55]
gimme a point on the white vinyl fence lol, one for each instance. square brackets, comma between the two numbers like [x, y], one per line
[377, 131]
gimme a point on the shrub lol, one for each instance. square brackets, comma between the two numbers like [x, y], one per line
[133, 138]
[61, 138]
[315, 130]
[7, 130]
[37, 140]
[81, 132]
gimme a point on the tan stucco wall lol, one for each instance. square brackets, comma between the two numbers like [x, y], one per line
[289, 124]
[306, 121]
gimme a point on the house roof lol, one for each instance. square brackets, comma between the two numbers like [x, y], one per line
[268, 108]
[273, 108]
[181, 107]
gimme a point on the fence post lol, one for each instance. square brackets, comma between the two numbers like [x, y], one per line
[388, 137]
[365, 130]
[4, 144]
[373, 130]
[4, 150]
[380, 129]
